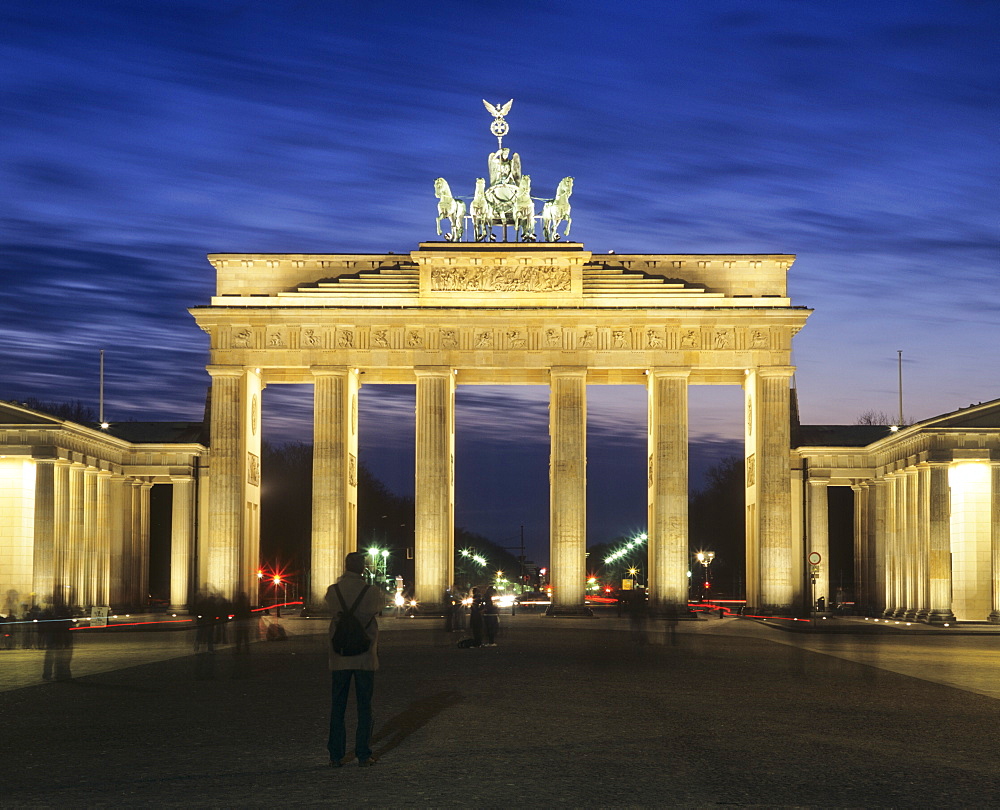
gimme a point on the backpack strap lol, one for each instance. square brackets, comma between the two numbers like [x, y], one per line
[343, 604]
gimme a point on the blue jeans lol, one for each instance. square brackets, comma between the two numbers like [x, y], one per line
[364, 687]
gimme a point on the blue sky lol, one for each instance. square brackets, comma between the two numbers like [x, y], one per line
[137, 137]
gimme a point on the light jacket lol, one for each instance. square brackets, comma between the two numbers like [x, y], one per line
[350, 585]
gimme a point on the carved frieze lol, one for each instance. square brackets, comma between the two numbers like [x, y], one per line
[690, 339]
[516, 339]
[723, 339]
[449, 339]
[484, 339]
[242, 338]
[751, 470]
[380, 338]
[311, 338]
[501, 278]
[253, 469]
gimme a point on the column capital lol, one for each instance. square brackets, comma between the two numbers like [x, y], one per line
[226, 371]
[568, 371]
[773, 371]
[332, 371]
[433, 371]
[181, 479]
[675, 373]
[819, 480]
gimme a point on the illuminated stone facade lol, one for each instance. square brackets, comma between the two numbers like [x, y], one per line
[926, 514]
[75, 509]
[486, 313]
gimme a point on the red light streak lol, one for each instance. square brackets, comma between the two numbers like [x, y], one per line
[129, 624]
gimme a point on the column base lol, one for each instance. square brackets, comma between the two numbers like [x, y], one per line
[940, 617]
[680, 612]
[178, 609]
[888, 613]
[771, 610]
[994, 617]
[569, 612]
[911, 615]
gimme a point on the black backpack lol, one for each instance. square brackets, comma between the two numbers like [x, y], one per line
[350, 638]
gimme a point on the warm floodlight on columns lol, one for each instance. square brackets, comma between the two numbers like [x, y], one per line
[568, 490]
[434, 493]
[939, 553]
[819, 538]
[774, 577]
[667, 489]
[335, 477]
[233, 539]
[181, 540]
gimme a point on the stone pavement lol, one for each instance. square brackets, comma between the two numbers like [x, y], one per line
[564, 713]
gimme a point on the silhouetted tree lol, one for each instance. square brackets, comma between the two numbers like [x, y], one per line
[74, 411]
[716, 521]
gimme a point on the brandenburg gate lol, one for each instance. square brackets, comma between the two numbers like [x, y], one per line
[492, 312]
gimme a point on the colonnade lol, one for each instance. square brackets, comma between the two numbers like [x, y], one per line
[91, 534]
[232, 542]
[926, 540]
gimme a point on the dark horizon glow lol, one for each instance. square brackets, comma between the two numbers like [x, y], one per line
[139, 137]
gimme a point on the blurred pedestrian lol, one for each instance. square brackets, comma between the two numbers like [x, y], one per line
[352, 598]
[491, 616]
[243, 617]
[476, 618]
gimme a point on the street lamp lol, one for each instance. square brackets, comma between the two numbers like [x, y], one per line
[277, 581]
[705, 558]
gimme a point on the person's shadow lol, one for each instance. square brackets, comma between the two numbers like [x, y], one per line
[415, 716]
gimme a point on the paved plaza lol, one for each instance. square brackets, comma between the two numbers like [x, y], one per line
[564, 712]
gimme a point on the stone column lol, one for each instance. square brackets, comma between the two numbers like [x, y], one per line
[880, 551]
[860, 546]
[910, 546]
[43, 550]
[667, 500]
[568, 490]
[136, 597]
[181, 540]
[994, 616]
[120, 541]
[335, 477]
[102, 538]
[901, 544]
[771, 569]
[144, 534]
[232, 545]
[892, 596]
[921, 519]
[939, 557]
[89, 556]
[73, 593]
[819, 537]
[61, 520]
[434, 501]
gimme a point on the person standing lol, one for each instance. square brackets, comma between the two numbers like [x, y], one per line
[491, 616]
[476, 618]
[352, 591]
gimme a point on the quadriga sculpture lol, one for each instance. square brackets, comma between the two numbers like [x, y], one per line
[450, 208]
[557, 211]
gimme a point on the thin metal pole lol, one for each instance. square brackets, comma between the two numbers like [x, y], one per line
[899, 353]
[100, 417]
